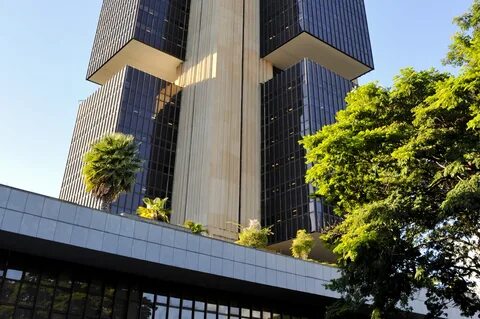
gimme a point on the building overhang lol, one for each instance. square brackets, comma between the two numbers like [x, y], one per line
[307, 46]
[47, 227]
[141, 57]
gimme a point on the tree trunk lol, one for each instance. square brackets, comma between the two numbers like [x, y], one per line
[105, 206]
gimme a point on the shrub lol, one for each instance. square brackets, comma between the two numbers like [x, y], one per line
[195, 228]
[254, 235]
[302, 245]
[155, 209]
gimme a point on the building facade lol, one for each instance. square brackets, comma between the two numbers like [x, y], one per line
[60, 260]
[297, 102]
[250, 79]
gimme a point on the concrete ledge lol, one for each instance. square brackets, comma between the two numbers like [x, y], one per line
[142, 57]
[306, 45]
[33, 223]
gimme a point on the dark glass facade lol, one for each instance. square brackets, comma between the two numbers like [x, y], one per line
[133, 103]
[32, 287]
[164, 25]
[295, 103]
[161, 24]
[340, 23]
[150, 110]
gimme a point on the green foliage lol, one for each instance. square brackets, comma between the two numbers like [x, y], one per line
[402, 166]
[302, 245]
[110, 166]
[254, 235]
[155, 209]
[195, 228]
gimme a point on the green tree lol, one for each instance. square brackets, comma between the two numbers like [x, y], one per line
[302, 244]
[402, 166]
[110, 166]
[195, 228]
[155, 209]
[254, 235]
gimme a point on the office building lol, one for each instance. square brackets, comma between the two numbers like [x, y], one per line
[218, 94]
[60, 260]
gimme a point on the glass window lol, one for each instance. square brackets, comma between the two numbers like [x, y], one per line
[173, 313]
[160, 312]
[27, 294]
[14, 274]
[9, 291]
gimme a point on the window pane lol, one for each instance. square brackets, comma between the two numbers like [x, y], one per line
[160, 312]
[44, 298]
[187, 303]
[245, 313]
[199, 305]
[79, 296]
[23, 313]
[175, 302]
[27, 295]
[9, 291]
[186, 314]
[62, 297]
[173, 313]
[14, 274]
[162, 299]
[6, 312]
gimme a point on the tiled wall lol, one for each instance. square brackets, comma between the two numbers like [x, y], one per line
[47, 218]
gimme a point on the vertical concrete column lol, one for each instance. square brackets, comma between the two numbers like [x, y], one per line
[217, 172]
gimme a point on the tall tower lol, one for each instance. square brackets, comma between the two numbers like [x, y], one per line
[138, 49]
[218, 93]
[319, 48]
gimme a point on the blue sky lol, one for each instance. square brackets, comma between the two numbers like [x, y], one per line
[45, 47]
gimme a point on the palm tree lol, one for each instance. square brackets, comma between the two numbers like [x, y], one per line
[110, 167]
[155, 209]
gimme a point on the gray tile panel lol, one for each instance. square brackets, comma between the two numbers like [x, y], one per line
[29, 225]
[83, 216]
[141, 230]
[113, 224]
[67, 212]
[95, 239]
[125, 246]
[166, 255]
[179, 257]
[180, 240]
[34, 204]
[17, 200]
[193, 242]
[191, 260]
[110, 243]
[4, 195]
[51, 208]
[153, 252]
[63, 232]
[11, 221]
[46, 228]
[168, 237]
[139, 249]
[79, 236]
[154, 234]
[98, 221]
[2, 213]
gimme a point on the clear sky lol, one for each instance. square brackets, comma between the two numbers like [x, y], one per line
[45, 47]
